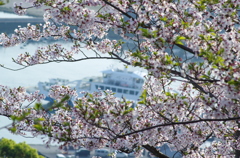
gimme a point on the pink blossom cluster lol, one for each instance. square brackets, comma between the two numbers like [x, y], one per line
[13, 101]
[58, 92]
[18, 9]
[49, 53]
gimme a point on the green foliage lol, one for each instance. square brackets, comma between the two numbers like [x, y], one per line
[185, 24]
[61, 103]
[139, 55]
[235, 83]
[38, 106]
[148, 34]
[213, 58]
[179, 40]
[66, 9]
[143, 97]
[2, 3]
[10, 149]
[13, 129]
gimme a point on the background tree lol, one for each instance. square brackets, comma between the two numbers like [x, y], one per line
[189, 96]
[2, 2]
[10, 149]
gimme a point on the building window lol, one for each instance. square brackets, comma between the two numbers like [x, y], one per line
[106, 75]
[101, 87]
[119, 90]
[125, 91]
[131, 92]
[136, 93]
[138, 80]
[117, 83]
[114, 89]
[107, 88]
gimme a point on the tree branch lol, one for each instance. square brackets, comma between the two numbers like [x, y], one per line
[108, 3]
[58, 61]
[179, 123]
[154, 151]
[200, 88]
[188, 49]
[121, 59]
[5, 126]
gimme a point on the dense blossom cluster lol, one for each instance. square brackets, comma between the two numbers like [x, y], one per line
[205, 104]
[58, 92]
[12, 100]
[46, 54]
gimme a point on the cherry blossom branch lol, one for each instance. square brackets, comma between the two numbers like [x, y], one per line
[121, 59]
[118, 9]
[200, 88]
[58, 61]
[178, 123]
[188, 49]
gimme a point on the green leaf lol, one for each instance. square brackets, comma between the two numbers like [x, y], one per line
[41, 119]
[13, 129]
[38, 127]
[100, 16]
[66, 8]
[2, 3]
[176, 119]
[183, 97]
[179, 40]
[13, 117]
[127, 111]
[219, 52]
[143, 97]
[164, 19]
[168, 94]
[213, 34]
[38, 106]
[168, 60]
[146, 33]
[205, 76]
[154, 33]
[177, 64]
[185, 24]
